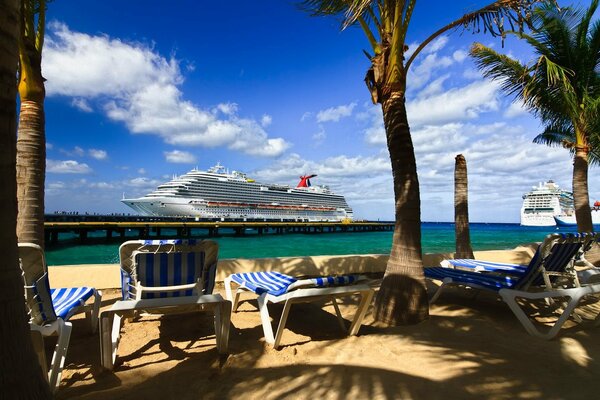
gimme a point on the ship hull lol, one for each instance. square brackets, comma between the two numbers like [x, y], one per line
[185, 207]
[569, 220]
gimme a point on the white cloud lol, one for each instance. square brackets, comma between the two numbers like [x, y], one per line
[140, 88]
[98, 154]
[67, 167]
[266, 120]
[455, 104]
[420, 74]
[334, 114]
[141, 171]
[179, 157]
[437, 44]
[81, 104]
[459, 55]
[319, 136]
[515, 109]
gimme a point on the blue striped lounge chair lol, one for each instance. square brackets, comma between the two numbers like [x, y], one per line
[275, 287]
[161, 276]
[50, 309]
[581, 241]
[549, 275]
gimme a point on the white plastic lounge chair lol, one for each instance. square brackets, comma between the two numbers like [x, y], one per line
[541, 279]
[51, 309]
[161, 276]
[274, 287]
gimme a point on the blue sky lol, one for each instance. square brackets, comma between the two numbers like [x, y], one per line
[139, 91]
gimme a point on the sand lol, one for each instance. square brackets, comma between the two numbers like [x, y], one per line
[471, 347]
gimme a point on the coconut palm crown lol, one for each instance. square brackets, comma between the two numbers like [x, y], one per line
[403, 296]
[561, 86]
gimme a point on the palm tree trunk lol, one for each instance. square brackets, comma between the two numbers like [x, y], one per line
[402, 298]
[583, 212]
[21, 375]
[461, 209]
[31, 172]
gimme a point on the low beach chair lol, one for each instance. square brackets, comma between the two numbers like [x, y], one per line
[546, 277]
[274, 287]
[162, 276]
[563, 262]
[51, 309]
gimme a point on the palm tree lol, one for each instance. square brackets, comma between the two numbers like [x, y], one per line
[561, 86]
[461, 209]
[403, 296]
[21, 374]
[31, 140]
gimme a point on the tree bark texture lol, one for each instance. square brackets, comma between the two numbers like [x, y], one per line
[461, 209]
[21, 376]
[583, 212]
[31, 172]
[403, 298]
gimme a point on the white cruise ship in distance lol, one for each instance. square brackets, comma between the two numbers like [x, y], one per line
[543, 203]
[218, 194]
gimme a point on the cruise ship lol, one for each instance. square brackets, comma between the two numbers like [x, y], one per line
[543, 203]
[218, 194]
[569, 219]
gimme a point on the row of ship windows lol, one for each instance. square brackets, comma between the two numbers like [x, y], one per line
[276, 199]
[217, 185]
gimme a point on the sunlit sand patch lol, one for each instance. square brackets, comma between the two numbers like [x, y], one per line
[574, 352]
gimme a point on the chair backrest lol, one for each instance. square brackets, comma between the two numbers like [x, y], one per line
[36, 284]
[556, 254]
[163, 263]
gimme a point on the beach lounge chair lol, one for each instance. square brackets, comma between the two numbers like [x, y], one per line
[162, 276]
[546, 277]
[275, 287]
[50, 309]
[562, 265]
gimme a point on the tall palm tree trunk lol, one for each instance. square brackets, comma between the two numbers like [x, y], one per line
[583, 213]
[402, 298]
[21, 375]
[461, 209]
[31, 171]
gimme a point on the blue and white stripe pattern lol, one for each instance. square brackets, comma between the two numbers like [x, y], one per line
[514, 276]
[65, 300]
[488, 281]
[169, 269]
[488, 266]
[276, 283]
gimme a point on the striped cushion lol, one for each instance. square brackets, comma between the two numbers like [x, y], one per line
[488, 281]
[170, 269]
[276, 283]
[488, 266]
[65, 300]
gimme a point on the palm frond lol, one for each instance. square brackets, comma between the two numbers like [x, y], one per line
[496, 19]
[513, 75]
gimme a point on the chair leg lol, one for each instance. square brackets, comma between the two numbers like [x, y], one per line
[230, 296]
[265, 318]
[222, 322]
[511, 300]
[363, 306]
[96, 310]
[338, 313]
[282, 321]
[60, 353]
[439, 290]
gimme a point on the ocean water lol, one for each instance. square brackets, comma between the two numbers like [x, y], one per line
[436, 238]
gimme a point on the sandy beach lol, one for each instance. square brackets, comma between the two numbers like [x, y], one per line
[471, 347]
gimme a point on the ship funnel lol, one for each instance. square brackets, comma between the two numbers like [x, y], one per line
[305, 181]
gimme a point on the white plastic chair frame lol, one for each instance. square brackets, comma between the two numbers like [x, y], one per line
[303, 295]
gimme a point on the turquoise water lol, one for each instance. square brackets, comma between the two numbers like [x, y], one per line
[437, 237]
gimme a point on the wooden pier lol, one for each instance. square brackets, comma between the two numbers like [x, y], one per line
[153, 228]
